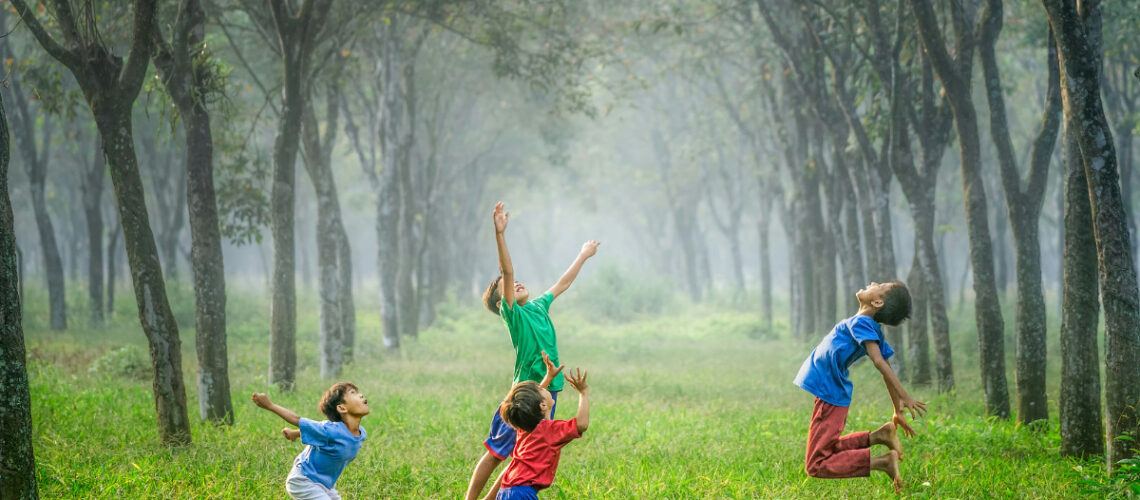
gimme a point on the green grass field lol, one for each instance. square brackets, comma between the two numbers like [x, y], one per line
[694, 403]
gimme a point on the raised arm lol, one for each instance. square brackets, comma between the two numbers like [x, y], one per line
[505, 267]
[578, 382]
[899, 397]
[286, 414]
[589, 248]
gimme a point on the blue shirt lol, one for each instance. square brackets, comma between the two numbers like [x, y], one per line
[331, 446]
[824, 373]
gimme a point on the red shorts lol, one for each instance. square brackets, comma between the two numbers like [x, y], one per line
[830, 455]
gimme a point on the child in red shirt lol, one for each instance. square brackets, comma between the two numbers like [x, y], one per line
[527, 408]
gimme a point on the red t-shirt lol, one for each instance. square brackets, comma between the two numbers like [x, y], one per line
[536, 453]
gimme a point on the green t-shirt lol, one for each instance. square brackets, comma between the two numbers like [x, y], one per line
[531, 333]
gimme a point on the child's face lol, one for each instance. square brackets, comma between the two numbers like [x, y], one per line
[355, 403]
[521, 293]
[547, 404]
[872, 295]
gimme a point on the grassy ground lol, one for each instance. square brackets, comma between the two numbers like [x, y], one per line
[694, 403]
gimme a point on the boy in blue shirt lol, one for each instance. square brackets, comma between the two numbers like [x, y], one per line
[532, 335]
[824, 374]
[329, 444]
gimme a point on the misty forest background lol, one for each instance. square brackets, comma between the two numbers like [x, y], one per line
[207, 198]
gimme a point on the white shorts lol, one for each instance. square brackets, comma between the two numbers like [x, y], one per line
[301, 487]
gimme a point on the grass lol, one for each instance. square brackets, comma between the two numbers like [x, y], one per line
[693, 403]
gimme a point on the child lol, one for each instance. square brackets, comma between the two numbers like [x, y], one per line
[532, 333]
[529, 408]
[824, 374]
[330, 444]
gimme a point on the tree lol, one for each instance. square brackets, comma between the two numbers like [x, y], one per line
[1078, 40]
[110, 86]
[956, 83]
[191, 79]
[93, 180]
[1024, 200]
[297, 34]
[334, 256]
[35, 158]
[17, 459]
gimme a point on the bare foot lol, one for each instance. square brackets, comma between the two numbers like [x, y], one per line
[892, 469]
[887, 436]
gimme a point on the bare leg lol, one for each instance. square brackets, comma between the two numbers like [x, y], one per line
[887, 436]
[483, 470]
[889, 463]
[494, 491]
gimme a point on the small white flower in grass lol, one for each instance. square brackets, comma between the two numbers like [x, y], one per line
[926, 483]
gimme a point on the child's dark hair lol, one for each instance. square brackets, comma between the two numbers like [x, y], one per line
[491, 297]
[333, 397]
[523, 407]
[896, 305]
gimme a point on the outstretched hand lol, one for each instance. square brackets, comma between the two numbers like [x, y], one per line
[589, 248]
[917, 408]
[500, 218]
[577, 380]
[901, 423]
[260, 399]
[551, 370]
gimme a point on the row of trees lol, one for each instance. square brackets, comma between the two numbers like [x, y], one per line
[803, 112]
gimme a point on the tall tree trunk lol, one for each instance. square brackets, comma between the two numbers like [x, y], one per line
[1082, 430]
[1024, 202]
[112, 259]
[146, 275]
[93, 211]
[347, 300]
[283, 319]
[388, 205]
[1079, 43]
[991, 339]
[763, 230]
[175, 63]
[35, 158]
[214, 403]
[916, 326]
[17, 459]
[333, 254]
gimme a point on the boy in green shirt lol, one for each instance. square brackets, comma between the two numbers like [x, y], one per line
[532, 333]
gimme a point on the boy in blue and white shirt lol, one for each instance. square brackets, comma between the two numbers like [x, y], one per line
[329, 444]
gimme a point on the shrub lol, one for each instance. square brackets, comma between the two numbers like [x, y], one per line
[616, 295]
[128, 362]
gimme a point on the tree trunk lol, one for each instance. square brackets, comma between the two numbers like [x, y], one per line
[17, 459]
[933, 289]
[35, 164]
[991, 339]
[214, 403]
[388, 204]
[146, 275]
[92, 209]
[1082, 431]
[1079, 44]
[1024, 209]
[283, 320]
[112, 259]
[763, 228]
[916, 326]
[333, 254]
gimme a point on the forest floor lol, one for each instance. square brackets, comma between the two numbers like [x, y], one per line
[697, 402]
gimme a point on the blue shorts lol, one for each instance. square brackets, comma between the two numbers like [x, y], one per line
[501, 439]
[517, 493]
